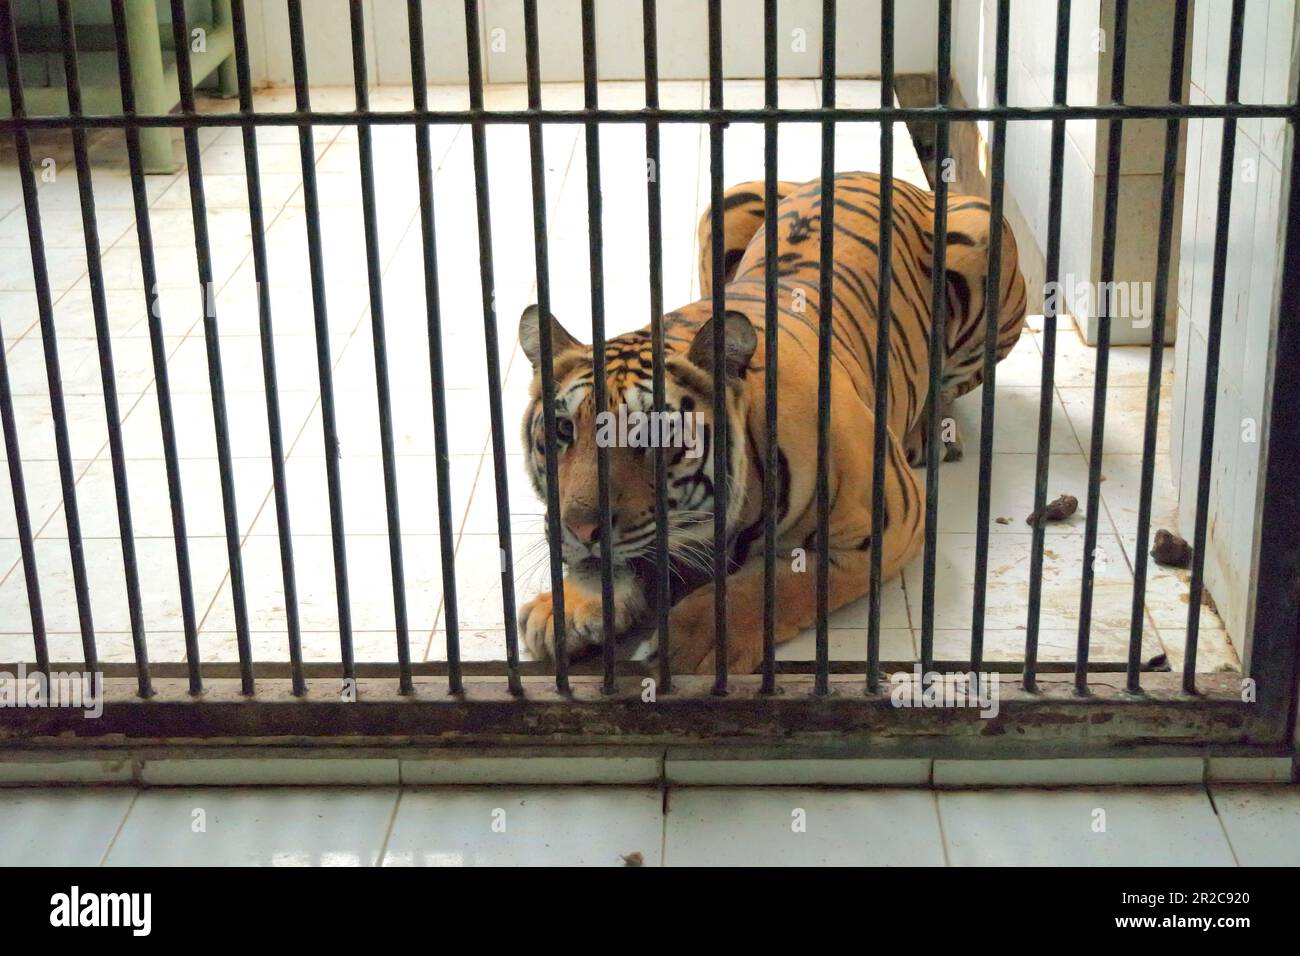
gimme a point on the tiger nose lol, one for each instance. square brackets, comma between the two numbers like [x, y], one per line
[584, 531]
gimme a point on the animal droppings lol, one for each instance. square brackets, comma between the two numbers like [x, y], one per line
[1058, 510]
[1171, 551]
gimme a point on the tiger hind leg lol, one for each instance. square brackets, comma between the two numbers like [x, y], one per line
[917, 440]
[742, 217]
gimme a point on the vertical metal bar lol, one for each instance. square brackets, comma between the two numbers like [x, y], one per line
[1110, 205]
[825, 330]
[554, 533]
[484, 212]
[149, 274]
[721, 427]
[324, 364]
[884, 325]
[1047, 390]
[771, 330]
[1272, 654]
[374, 275]
[446, 532]
[212, 338]
[108, 378]
[596, 252]
[49, 339]
[1164, 247]
[1213, 338]
[991, 310]
[938, 339]
[654, 210]
[22, 517]
[261, 271]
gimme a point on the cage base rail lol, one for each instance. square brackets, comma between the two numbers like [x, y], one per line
[1055, 720]
[489, 668]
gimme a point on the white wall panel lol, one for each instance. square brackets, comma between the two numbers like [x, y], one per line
[328, 35]
[1248, 288]
[445, 60]
[683, 40]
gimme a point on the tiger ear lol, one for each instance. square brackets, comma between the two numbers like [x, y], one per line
[739, 343]
[530, 335]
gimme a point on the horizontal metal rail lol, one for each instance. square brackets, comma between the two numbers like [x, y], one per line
[845, 114]
[275, 670]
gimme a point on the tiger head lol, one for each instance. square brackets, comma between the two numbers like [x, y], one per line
[631, 432]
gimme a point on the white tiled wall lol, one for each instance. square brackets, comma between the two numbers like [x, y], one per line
[1032, 49]
[1249, 288]
[1029, 83]
[329, 42]
[1031, 63]
[683, 39]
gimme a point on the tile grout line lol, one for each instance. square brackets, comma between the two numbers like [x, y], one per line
[392, 821]
[103, 860]
[665, 809]
[938, 814]
[1227, 837]
[35, 323]
[907, 606]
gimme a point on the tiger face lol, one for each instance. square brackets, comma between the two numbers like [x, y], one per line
[631, 431]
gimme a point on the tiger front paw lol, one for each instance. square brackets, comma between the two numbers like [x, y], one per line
[582, 624]
[692, 638]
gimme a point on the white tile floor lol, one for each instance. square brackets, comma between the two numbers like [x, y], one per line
[684, 182]
[1226, 825]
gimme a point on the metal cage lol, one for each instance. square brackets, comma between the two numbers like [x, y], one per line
[831, 710]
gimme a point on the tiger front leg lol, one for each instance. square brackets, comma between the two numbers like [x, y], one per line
[583, 618]
[691, 632]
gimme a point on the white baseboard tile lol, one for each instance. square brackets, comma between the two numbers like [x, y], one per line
[806, 772]
[646, 766]
[1248, 769]
[470, 771]
[33, 771]
[269, 771]
[1083, 772]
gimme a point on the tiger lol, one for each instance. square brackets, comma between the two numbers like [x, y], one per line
[691, 370]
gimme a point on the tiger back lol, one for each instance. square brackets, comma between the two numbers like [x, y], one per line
[857, 221]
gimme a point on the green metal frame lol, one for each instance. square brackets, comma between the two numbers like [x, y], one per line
[156, 86]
